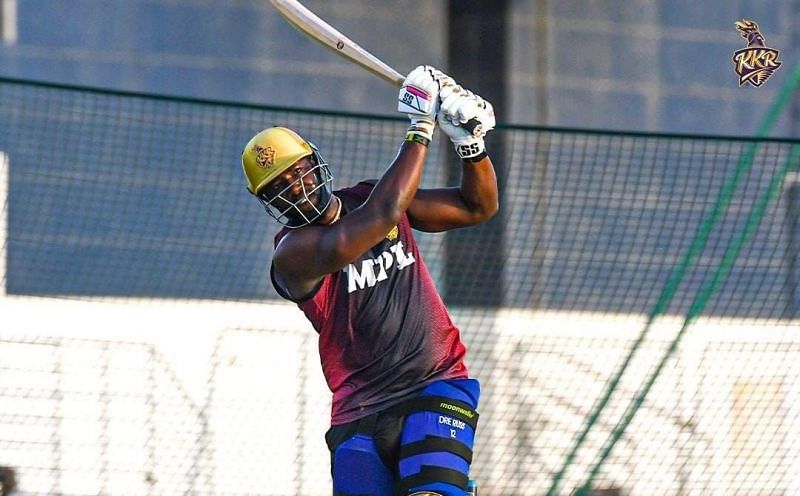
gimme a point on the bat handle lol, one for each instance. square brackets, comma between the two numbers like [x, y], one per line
[474, 126]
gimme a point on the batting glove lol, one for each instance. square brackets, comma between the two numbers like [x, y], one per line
[419, 98]
[458, 107]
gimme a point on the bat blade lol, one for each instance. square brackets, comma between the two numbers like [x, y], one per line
[320, 31]
[315, 28]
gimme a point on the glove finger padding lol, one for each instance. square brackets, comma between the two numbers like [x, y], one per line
[459, 108]
[442, 78]
[486, 116]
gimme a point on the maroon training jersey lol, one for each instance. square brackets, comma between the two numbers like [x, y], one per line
[384, 332]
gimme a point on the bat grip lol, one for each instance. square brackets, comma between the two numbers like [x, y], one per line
[473, 126]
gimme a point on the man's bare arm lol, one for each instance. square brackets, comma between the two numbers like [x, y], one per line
[475, 201]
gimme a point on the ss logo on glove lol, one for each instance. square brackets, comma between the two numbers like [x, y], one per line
[469, 150]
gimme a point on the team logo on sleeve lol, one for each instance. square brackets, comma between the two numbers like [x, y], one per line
[756, 63]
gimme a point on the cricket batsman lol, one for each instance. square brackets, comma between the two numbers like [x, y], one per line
[404, 408]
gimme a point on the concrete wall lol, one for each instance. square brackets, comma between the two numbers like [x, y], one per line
[646, 65]
[105, 397]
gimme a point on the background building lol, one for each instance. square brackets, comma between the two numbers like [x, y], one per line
[660, 66]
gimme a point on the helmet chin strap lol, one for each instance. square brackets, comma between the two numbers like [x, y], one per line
[338, 210]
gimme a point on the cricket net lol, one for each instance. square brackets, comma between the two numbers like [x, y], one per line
[631, 312]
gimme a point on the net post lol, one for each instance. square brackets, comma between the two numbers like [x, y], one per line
[4, 176]
[8, 21]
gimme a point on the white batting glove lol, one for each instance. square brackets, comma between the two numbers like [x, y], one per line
[419, 98]
[459, 107]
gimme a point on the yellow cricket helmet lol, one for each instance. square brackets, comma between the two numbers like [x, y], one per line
[267, 156]
[271, 152]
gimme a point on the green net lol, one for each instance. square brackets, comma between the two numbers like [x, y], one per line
[631, 312]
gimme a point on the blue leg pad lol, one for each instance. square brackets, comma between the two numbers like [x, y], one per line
[359, 471]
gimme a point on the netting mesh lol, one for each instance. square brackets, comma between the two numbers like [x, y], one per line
[144, 351]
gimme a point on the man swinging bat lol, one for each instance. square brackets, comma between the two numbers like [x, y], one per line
[403, 413]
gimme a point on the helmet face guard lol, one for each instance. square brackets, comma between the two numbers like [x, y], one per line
[315, 196]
